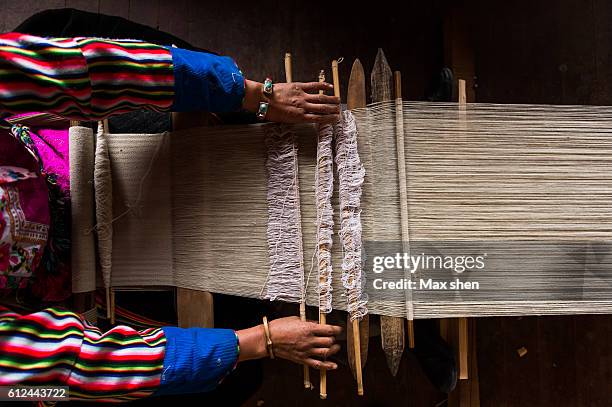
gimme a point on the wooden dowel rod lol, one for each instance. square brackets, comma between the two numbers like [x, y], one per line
[112, 306]
[307, 382]
[289, 79]
[288, 68]
[463, 323]
[397, 83]
[322, 316]
[323, 372]
[403, 192]
[336, 78]
[462, 97]
[357, 347]
[410, 324]
[463, 348]
[108, 303]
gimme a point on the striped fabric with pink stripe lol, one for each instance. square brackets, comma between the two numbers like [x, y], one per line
[53, 346]
[83, 78]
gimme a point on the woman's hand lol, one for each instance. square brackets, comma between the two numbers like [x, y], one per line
[294, 102]
[302, 342]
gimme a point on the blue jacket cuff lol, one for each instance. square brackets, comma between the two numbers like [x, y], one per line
[197, 359]
[206, 82]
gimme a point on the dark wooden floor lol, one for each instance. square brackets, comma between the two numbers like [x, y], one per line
[533, 51]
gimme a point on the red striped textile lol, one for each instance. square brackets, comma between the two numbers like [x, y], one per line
[83, 78]
[54, 346]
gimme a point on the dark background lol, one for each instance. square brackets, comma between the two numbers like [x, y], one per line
[533, 51]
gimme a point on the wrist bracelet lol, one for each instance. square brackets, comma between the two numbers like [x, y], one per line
[262, 111]
[268, 338]
[268, 87]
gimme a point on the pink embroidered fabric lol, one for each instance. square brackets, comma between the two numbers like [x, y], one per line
[28, 251]
[24, 225]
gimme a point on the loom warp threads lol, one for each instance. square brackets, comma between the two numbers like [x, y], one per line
[505, 180]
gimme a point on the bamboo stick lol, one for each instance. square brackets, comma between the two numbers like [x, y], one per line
[322, 316]
[357, 332]
[462, 322]
[397, 76]
[289, 79]
[288, 68]
[323, 371]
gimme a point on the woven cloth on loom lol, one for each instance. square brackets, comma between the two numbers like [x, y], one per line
[529, 185]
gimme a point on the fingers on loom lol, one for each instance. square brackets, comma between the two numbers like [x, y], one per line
[322, 109]
[323, 341]
[316, 86]
[322, 99]
[317, 364]
[324, 353]
[327, 330]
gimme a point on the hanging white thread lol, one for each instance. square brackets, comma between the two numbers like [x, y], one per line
[324, 187]
[351, 174]
[285, 279]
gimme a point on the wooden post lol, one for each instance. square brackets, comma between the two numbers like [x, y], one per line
[358, 334]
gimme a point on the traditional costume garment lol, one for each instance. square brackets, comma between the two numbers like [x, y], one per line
[90, 79]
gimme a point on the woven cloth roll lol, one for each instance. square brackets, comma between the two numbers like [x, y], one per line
[83, 258]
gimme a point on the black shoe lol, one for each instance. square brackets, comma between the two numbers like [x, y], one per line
[443, 87]
[436, 357]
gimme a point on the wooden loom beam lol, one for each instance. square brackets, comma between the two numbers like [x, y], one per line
[358, 333]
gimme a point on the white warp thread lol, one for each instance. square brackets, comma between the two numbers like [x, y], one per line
[499, 173]
[351, 174]
[324, 188]
[103, 187]
[285, 280]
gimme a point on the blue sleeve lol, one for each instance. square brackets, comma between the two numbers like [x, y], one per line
[197, 359]
[206, 82]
